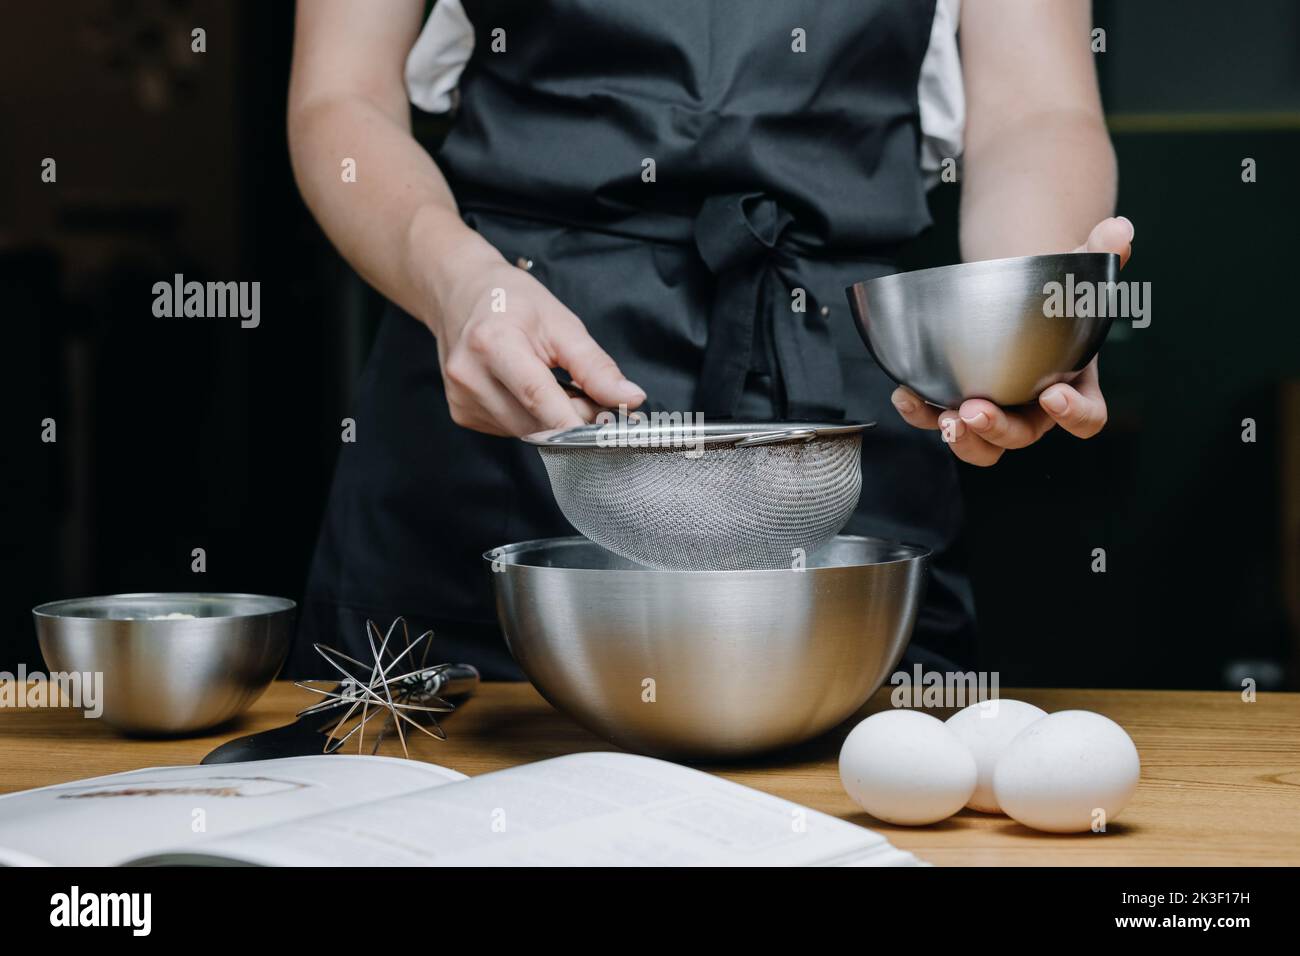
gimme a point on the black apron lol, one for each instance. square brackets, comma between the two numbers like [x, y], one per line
[779, 178]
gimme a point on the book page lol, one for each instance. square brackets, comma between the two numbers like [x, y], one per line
[105, 820]
[606, 809]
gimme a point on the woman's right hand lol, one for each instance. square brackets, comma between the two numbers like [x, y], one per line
[500, 333]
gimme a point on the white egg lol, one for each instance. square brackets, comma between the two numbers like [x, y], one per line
[906, 767]
[1067, 771]
[986, 728]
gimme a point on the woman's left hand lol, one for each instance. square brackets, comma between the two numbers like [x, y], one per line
[980, 432]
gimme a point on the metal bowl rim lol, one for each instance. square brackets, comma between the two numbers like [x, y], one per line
[708, 433]
[1010, 264]
[50, 609]
[919, 552]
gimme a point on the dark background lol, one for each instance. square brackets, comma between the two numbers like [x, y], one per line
[181, 434]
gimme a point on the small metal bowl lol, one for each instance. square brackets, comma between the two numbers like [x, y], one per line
[707, 664]
[980, 329]
[168, 676]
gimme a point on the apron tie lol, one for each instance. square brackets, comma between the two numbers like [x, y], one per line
[741, 238]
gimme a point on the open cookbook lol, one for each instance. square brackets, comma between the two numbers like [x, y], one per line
[601, 809]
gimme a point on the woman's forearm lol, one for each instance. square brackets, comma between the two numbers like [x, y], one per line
[397, 223]
[1039, 170]
[1039, 185]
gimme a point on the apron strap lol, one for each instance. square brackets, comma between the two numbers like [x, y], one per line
[740, 237]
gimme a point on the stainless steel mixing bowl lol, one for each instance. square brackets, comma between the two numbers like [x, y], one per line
[169, 676]
[979, 329]
[700, 664]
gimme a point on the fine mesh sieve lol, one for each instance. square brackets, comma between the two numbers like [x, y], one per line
[724, 496]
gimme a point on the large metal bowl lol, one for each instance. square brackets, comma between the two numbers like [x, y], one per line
[706, 664]
[981, 329]
[169, 676]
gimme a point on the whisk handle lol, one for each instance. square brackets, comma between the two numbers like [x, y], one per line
[457, 680]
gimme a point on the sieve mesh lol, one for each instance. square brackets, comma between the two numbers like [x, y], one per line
[727, 509]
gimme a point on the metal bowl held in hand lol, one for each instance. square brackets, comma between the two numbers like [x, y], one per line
[171, 663]
[703, 664]
[723, 496]
[986, 329]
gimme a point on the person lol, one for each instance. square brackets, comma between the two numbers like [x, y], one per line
[664, 199]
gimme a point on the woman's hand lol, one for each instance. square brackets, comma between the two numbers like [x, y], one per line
[398, 226]
[500, 332]
[980, 432]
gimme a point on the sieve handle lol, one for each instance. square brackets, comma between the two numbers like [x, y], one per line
[574, 390]
[771, 438]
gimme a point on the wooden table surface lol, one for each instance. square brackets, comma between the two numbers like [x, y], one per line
[1220, 777]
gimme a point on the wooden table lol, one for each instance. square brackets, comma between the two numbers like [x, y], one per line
[1220, 777]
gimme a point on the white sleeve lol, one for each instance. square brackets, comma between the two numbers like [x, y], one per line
[438, 58]
[940, 93]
